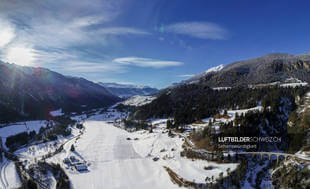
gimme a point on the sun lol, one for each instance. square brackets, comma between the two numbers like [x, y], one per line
[20, 55]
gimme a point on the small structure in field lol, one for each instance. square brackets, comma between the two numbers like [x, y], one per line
[81, 167]
[67, 161]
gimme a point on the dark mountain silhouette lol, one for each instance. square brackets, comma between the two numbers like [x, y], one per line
[27, 92]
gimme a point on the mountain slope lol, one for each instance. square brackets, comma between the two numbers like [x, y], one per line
[125, 91]
[33, 92]
[266, 69]
[196, 98]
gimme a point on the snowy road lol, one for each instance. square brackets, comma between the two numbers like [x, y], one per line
[114, 162]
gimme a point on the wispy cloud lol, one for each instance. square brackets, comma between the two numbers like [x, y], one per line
[7, 33]
[92, 67]
[201, 30]
[146, 62]
[49, 33]
[186, 75]
[122, 31]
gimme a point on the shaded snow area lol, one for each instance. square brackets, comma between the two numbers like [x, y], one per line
[231, 114]
[305, 155]
[289, 82]
[221, 88]
[8, 175]
[57, 113]
[294, 84]
[257, 175]
[305, 106]
[138, 100]
[20, 127]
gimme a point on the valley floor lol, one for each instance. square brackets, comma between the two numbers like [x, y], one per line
[120, 159]
[112, 160]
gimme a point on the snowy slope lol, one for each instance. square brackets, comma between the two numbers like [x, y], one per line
[20, 127]
[159, 144]
[197, 77]
[138, 100]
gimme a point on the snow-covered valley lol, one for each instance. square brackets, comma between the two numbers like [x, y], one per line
[116, 158]
[120, 159]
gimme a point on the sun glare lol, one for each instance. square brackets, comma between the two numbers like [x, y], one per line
[20, 55]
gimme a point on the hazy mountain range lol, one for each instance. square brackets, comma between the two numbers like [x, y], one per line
[126, 90]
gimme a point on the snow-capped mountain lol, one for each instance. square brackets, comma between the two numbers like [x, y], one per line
[270, 68]
[215, 69]
[196, 78]
[127, 90]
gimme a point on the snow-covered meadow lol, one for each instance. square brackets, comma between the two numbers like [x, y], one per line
[120, 159]
[20, 127]
[8, 175]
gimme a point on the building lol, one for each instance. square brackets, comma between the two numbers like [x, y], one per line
[81, 167]
[66, 161]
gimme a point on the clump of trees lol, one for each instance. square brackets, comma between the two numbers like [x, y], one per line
[15, 141]
[79, 126]
[72, 149]
[136, 124]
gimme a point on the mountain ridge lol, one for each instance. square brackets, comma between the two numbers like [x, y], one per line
[264, 69]
[33, 92]
[128, 90]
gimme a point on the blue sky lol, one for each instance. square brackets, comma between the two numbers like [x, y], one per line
[149, 42]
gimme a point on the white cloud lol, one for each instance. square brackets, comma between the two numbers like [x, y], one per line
[146, 62]
[122, 31]
[202, 30]
[7, 33]
[186, 75]
[92, 67]
[59, 32]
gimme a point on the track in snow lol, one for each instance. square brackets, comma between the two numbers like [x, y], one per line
[4, 174]
[3, 178]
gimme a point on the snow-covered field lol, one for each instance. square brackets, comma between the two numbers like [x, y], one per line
[112, 160]
[57, 113]
[139, 100]
[8, 175]
[20, 127]
[119, 159]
